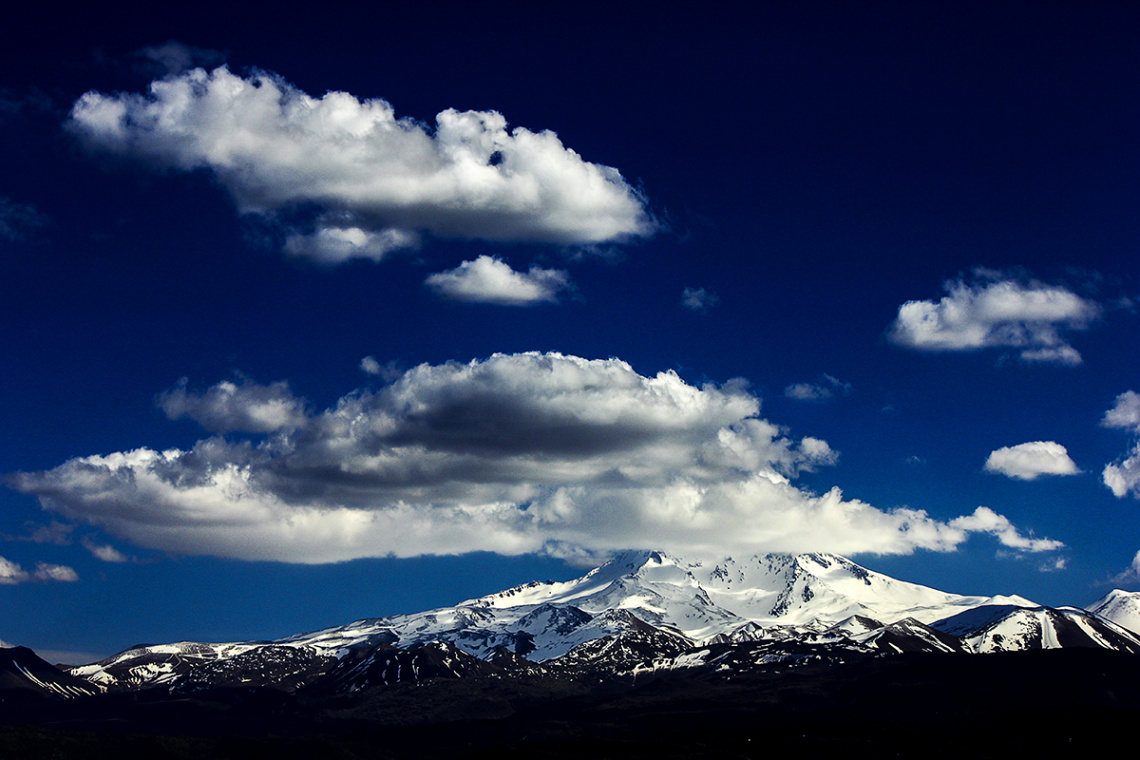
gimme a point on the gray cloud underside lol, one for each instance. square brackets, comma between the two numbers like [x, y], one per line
[377, 180]
[513, 454]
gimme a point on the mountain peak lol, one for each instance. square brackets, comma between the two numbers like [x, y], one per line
[627, 611]
[1121, 607]
[705, 598]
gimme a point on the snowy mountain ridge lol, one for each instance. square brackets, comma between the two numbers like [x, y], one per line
[702, 600]
[1121, 607]
[642, 610]
[763, 598]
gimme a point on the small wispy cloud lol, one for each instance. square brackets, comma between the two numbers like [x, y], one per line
[491, 280]
[104, 552]
[985, 520]
[54, 532]
[244, 406]
[699, 299]
[823, 389]
[19, 221]
[389, 371]
[1130, 574]
[173, 57]
[11, 573]
[14, 105]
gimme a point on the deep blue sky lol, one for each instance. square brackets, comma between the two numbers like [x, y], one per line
[815, 166]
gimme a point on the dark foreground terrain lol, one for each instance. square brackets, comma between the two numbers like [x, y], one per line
[1005, 705]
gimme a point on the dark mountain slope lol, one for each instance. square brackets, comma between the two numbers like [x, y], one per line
[1060, 703]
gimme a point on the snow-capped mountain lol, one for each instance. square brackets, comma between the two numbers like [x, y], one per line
[816, 599]
[648, 645]
[729, 600]
[700, 599]
[23, 671]
[1121, 607]
[1003, 628]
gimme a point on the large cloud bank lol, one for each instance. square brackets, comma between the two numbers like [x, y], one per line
[997, 312]
[512, 454]
[378, 181]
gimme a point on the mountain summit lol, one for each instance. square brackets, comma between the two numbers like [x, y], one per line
[1121, 607]
[701, 600]
[704, 599]
[678, 603]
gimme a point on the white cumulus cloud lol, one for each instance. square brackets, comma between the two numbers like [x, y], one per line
[104, 552]
[232, 407]
[1027, 461]
[985, 520]
[12, 573]
[491, 280]
[333, 245]
[1123, 476]
[1029, 317]
[1125, 413]
[377, 181]
[513, 454]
